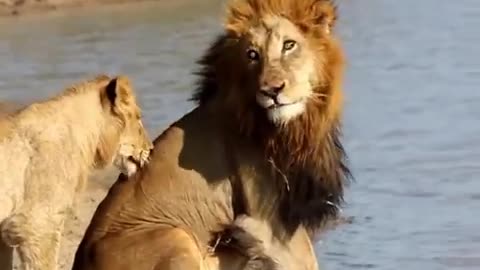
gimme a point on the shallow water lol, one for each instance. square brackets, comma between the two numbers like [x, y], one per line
[411, 120]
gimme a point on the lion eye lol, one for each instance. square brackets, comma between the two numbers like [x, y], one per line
[289, 45]
[253, 55]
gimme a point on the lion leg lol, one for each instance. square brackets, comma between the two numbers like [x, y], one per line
[301, 247]
[6, 256]
[159, 249]
[185, 254]
[37, 241]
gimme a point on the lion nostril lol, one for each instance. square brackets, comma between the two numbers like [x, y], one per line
[273, 90]
[279, 88]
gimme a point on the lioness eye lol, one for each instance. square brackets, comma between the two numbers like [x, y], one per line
[289, 45]
[253, 55]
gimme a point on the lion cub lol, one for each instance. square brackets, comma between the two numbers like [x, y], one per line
[47, 148]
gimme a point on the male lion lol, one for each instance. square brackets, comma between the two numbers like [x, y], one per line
[48, 148]
[263, 142]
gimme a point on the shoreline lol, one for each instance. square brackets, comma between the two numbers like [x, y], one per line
[21, 8]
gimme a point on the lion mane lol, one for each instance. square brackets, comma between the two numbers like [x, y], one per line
[306, 153]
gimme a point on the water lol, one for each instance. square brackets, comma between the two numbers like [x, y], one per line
[411, 120]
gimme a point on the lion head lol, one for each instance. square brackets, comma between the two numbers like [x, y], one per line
[277, 56]
[275, 75]
[125, 141]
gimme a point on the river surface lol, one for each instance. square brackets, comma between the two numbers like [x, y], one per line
[411, 121]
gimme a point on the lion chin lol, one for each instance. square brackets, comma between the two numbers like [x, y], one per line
[284, 113]
[127, 166]
[281, 110]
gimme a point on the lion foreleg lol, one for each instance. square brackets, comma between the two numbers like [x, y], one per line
[158, 249]
[40, 252]
[37, 240]
[179, 251]
[302, 250]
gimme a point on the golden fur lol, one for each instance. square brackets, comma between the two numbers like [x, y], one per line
[47, 148]
[264, 142]
[307, 148]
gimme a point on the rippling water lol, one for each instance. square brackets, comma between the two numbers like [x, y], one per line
[411, 121]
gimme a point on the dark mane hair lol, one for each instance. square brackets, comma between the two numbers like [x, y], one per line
[306, 153]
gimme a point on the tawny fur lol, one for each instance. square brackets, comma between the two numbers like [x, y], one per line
[307, 149]
[47, 149]
[227, 158]
[254, 240]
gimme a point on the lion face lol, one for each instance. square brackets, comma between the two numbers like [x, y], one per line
[133, 146]
[277, 62]
[282, 67]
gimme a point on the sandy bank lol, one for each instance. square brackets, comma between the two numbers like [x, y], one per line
[21, 7]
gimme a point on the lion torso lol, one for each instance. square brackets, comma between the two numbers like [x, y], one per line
[199, 178]
[186, 184]
[39, 143]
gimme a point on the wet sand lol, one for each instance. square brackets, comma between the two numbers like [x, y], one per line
[9, 8]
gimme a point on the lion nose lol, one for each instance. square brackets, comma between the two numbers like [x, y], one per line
[273, 89]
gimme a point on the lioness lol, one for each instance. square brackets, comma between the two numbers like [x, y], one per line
[48, 148]
[264, 141]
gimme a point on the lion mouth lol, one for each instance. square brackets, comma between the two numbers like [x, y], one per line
[141, 160]
[136, 162]
[282, 113]
[277, 105]
[280, 105]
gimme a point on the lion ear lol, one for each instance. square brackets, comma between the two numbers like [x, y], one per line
[323, 15]
[239, 14]
[117, 91]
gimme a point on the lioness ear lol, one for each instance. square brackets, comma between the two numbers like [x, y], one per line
[117, 90]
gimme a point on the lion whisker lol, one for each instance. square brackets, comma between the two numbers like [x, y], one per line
[330, 203]
[212, 249]
[320, 96]
[285, 179]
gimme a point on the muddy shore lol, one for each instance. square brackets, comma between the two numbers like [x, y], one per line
[10, 8]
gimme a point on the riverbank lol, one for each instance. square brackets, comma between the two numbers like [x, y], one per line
[12, 8]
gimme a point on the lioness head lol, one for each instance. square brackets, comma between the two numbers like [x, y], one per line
[125, 140]
[277, 55]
